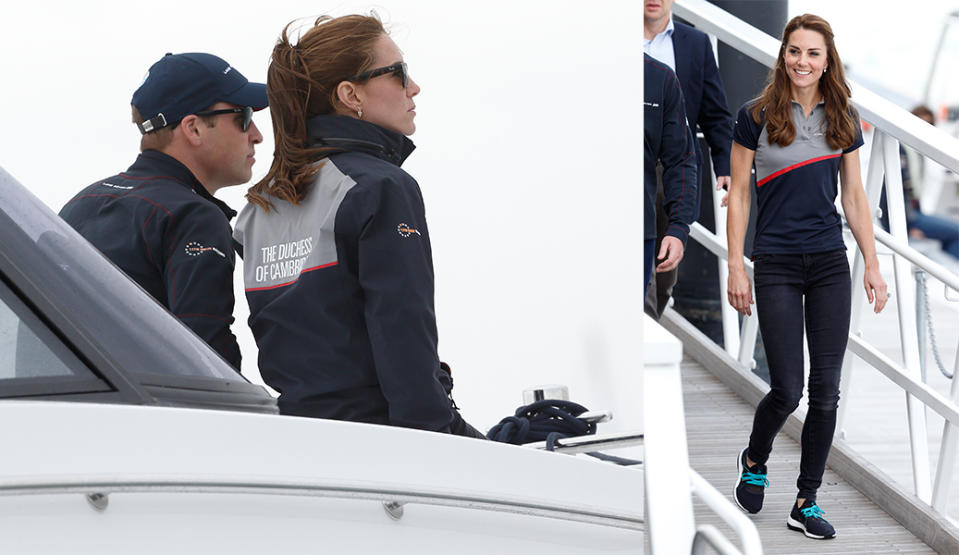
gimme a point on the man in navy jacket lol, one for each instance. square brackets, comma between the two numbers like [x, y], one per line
[668, 141]
[159, 221]
[689, 53]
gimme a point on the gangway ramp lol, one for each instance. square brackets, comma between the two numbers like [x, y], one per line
[718, 421]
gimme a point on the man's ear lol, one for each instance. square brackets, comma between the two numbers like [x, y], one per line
[190, 129]
[348, 96]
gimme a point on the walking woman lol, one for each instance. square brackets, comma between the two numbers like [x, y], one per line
[800, 134]
[338, 268]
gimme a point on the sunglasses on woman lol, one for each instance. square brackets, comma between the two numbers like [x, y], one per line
[398, 70]
[244, 122]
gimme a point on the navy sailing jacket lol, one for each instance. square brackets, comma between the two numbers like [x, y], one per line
[340, 287]
[704, 95]
[667, 139]
[164, 229]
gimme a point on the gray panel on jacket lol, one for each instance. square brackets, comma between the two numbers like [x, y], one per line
[287, 241]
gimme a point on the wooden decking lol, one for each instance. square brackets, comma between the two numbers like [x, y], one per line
[717, 427]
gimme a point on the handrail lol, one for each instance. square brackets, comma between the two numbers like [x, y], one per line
[730, 514]
[898, 375]
[918, 259]
[585, 444]
[670, 522]
[707, 534]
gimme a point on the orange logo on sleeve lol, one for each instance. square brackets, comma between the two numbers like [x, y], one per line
[196, 249]
[405, 230]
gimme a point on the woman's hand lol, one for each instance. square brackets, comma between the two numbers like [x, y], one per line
[876, 289]
[740, 292]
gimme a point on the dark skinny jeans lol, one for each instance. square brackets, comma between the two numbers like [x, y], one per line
[783, 282]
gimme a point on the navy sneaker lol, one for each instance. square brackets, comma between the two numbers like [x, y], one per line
[808, 520]
[751, 484]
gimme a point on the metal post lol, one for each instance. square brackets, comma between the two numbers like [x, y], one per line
[947, 451]
[670, 524]
[747, 342]
[905, 302]
[874, 176]
[729, 315]
[741, 524]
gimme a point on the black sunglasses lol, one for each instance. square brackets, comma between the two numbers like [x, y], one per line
[246, 111]
[397, 69]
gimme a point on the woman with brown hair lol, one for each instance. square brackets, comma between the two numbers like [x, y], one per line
[338, 267]
[802, 135]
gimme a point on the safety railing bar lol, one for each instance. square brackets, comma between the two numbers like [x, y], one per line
[712, 243]
[744, 528]
[929, 396]
[670, 520]
[934, 143]
[585, 444]
[747, 341]
[728, 28]
[908, 327]
[749, 327]
[874, 176]
[707, 534]
[729, 316]
[947, 452]
[918, 259]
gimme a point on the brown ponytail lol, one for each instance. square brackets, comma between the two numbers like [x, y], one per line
[301, 83]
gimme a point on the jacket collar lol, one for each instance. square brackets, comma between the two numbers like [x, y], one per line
[351, 134]
[154, 162]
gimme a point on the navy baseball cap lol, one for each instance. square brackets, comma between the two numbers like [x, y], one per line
[182, 84]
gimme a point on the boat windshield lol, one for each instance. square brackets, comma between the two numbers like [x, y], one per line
[33, 361]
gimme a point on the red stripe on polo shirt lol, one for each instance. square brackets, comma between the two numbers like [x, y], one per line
[794, 166]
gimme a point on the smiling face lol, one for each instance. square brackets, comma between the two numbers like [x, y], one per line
[383, 99]
[805, 59]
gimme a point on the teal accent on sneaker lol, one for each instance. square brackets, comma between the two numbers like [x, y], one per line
[755, 479]
[751, 484]
[809, 520]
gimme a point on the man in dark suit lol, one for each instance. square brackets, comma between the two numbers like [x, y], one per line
[689, 53]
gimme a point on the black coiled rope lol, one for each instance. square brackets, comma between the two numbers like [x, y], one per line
[548, 420]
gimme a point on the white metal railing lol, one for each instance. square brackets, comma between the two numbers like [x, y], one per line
[893, 126]
[670, 523]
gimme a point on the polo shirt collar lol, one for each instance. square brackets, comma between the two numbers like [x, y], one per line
[822, 102]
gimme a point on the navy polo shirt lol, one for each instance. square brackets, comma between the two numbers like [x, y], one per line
[796, 185]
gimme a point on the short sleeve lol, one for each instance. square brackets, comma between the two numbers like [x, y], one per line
[858, 142]
[746, 131]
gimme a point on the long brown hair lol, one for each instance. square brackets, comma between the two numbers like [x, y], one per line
[776, 98]
[301, 83]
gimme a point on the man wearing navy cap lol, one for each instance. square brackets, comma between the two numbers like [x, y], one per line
[159, 221]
